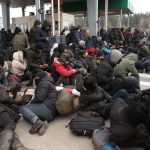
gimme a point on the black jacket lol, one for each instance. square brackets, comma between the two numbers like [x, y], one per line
[104, 72]
[90, 100]
[46, 93]
[42, 34]
[122, 132]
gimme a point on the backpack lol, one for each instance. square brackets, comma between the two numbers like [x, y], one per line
[81, 125]
[64, 102]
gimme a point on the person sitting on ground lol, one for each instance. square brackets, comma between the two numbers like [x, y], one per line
[94, 98]
[104, 73]
[126, 125]
[34, 59]
[8, 138]
[61, 68]
[127, 67]
[42, 108]
[19, 67]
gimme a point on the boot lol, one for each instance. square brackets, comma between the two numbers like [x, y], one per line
[17, 145]
[35, 127]
[43, 129]
[6, 138]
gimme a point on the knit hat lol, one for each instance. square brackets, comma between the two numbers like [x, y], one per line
[82, 43]
[37, 22]
[115, 56]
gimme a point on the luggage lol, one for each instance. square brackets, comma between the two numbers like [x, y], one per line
[100, 137]
[64, 102]
[81, 125]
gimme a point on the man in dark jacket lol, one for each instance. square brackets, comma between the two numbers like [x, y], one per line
[42, 107]
[34, 60]
[104, 75]
[94, 98]
[42, 36]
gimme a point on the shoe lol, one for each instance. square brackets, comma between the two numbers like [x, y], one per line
[35, 127]
[17, 145]
[43, 129]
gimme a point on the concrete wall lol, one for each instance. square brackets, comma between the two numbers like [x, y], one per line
[28, 21]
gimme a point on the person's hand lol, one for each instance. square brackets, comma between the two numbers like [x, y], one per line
[11, 94]
[46, 65]
[74, 70]
[42, 66]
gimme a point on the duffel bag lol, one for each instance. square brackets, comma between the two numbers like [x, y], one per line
[64, 102]
[81, 125]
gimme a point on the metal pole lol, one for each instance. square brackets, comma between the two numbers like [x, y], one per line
[53, 19]
[120, 18]
[106, 14]
[59, 17]
[128, 20]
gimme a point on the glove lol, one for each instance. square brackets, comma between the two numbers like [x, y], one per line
[58, 88]
[75, 92]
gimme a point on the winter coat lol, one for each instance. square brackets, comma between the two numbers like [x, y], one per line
[61, 70]
[41, 35]
[126, 66]
[34, 59]
[90, 100]
[122, 132]
[18, 64]
[46, 93]
[20, 41]
[71, 38]
[104, 72]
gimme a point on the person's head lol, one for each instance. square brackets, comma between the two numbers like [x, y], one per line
[136, 113]
[40, 75]
[90, 83]
[82, 43]
[46, 25]
[61, 47]
[64, 58]
[39, 47]
[37, 23]
[133, 50]
[17, 30]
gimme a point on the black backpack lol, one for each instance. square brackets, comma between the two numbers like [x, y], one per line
[81, 125]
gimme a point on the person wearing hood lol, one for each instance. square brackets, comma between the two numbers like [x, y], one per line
[61, 68]
[42, 108]
[35, 61]
[127, 125]
[20, 41]
[19, 67]
[126, 67]
[42, 36]
[104, 75]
